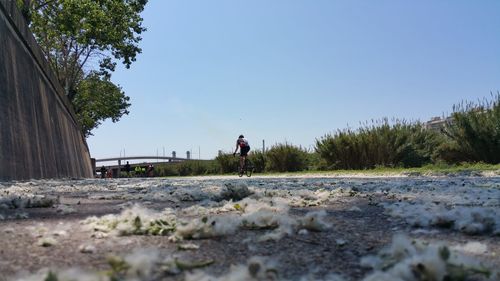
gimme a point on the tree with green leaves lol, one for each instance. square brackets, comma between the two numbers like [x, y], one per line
[82, 41]
[92, 106]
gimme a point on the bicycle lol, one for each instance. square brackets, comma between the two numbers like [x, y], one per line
[247, 168]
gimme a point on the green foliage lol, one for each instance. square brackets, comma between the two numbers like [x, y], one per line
[227, 163]
[118, 267]
[76, 33]
[450, 152]
[166, 170]
[280, 158]
[187, 168]
[98, 99]
[81, 41]
[474, 133]
[315, 162]
[379, 144]
[286, 158]
[259, 161]
[24, 7]
[51, 276]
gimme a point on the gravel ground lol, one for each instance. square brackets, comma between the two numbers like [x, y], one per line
[360, 218]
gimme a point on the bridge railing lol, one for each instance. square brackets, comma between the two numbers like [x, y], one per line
[141, 158]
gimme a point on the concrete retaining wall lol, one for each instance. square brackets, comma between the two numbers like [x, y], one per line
[39, 135]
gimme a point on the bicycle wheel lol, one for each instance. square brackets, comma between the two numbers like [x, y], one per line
[248, 168]
[239, 171]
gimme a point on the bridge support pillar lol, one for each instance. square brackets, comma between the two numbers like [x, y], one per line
[92, 160]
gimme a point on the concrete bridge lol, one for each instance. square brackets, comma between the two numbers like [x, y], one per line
[119, 159]
[116, 169]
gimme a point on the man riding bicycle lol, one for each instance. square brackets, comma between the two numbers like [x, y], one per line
[242, 143]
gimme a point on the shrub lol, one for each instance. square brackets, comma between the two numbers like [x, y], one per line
[379, 144]
[166, 170]
[258, 159]
[286, 158]
[187, 168]
[474, 132]
[315, 162]
[227, 163]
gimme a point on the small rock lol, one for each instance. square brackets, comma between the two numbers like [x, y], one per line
[340, 242]
[354, 209]
[99, 235]
[46, 242]
[9, 230]
[188, 246]
[65, 209]
[235, 192]
[87, 249]
[303, 232]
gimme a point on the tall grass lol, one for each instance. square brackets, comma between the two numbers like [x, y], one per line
[227, 163]
[380, 143]
[286, 158]
[259, 160]
[279, 158]
[187, 168]
[474, 133]
[472, 136]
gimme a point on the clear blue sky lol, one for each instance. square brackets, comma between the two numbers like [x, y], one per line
[286, 70]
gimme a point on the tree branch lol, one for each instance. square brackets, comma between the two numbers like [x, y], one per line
[42, 4]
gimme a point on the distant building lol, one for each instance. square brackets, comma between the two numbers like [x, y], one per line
[436, 123]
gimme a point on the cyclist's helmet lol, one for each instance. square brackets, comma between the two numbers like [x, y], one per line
[241, 136]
